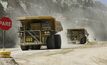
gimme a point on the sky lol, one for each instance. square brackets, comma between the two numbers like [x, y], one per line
[104, 1]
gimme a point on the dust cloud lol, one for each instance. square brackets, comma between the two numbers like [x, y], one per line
[88, 14]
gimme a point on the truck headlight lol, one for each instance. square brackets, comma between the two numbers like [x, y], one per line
[47, 32]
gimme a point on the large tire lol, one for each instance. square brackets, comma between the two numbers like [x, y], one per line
[35, 47]
[57, 41]
[83, 40]
[24, 47]
[50, 42]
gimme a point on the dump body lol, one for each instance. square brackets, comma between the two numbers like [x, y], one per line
[36, 29]
[77, 35]
[55, 25]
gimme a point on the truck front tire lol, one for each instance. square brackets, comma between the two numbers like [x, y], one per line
[57, 41]
[50, 42]
[83, 40]
[24, 47]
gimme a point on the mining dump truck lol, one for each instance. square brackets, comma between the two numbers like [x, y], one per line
[36, 31]
[77, 36]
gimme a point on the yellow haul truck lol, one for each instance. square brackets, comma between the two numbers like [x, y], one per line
[39, 30]
[78, 36]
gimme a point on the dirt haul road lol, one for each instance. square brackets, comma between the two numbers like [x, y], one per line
[80, 56]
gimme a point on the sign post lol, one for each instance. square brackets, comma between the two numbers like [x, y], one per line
[5, 24]
[3, 33]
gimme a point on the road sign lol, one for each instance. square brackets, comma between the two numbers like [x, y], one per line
[5, 23]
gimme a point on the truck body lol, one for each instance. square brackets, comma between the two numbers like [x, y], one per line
[36, 31]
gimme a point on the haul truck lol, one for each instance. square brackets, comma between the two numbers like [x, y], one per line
[39, 30]
[78, 36]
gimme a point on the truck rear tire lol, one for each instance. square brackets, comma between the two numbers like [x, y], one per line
[24, 47]
[57, 41]
[35, 47]
[50, 42]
